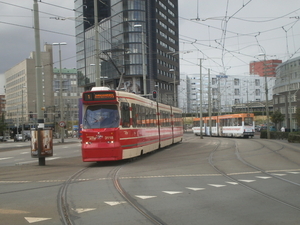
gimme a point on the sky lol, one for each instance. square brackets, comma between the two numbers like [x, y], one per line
[226, 34]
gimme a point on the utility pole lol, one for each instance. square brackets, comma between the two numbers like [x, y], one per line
[38, 76]
[98, 78]
[209, 102]
[201, 122]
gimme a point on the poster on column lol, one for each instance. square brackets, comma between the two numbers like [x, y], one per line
[41, 143]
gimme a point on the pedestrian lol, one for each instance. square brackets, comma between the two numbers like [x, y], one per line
[282, 129]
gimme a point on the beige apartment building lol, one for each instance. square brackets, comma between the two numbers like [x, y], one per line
[21, 88]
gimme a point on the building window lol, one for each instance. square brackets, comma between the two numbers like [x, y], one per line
[257, 82]
[236, 81]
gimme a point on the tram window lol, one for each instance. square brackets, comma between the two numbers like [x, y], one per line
[147, 117]
[101, 116]
[240, 121]
[248, 121]
[134, 115]
[143, 115]
[213, 123]
[125, 114]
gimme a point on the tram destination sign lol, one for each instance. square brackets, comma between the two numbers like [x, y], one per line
[99, 96]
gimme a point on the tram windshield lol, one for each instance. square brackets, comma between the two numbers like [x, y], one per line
[248, 121]
[101, 116]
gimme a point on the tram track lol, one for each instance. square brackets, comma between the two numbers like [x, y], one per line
[147, 214]
[255, 190]
[263, 171]
[66, 212]
[62, 202]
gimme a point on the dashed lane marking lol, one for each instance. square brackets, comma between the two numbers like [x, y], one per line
[264, 177]
[278, 174]
[173, 192]
[82, 210]
[6, 158]
[195, 189]
[12, 211]
[13, 182]
[145, 197]
[114, 203]
[35, 219]
[233, 183]
[217, 185]
[294, 172]
[247, 181]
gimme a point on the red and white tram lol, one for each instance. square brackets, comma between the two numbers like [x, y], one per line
[231, 125]
[119, 125]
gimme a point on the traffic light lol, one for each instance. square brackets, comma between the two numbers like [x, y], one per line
[154, 93]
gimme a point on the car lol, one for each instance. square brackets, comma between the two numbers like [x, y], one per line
[271, 128]
[18, 137]
[2, 138]
[257, 127]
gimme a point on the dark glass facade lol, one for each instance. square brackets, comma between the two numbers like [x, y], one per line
[125, 28]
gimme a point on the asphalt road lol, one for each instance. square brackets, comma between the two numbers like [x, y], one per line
[199, 181]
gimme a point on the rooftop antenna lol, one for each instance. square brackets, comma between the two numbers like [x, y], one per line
[198, 18]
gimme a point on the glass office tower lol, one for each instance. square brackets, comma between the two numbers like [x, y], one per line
[138, 40]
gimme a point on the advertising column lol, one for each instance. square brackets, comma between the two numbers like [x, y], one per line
[41, 143]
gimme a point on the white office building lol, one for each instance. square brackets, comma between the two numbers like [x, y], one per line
[226, 91]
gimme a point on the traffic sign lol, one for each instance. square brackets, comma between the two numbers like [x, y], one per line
[62, 123]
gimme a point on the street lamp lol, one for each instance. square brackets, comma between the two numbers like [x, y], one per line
[174, 81]
[266, 92]
[143, 57]
[201, 122]
[60, 85]
[23, 114]
[290, 104]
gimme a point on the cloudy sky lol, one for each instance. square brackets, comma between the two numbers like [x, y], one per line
[228, 34]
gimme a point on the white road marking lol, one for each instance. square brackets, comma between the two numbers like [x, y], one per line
[145, 197]
[114, 203]
[278, 174]
[195, 189]
[264, 177]
[23, 153]
[6, 158]
[84, 210]
[217, 185]
[294, 172]
[247, 181]
[172, 192]
[233, 183]
[52, 158]
[35, 219]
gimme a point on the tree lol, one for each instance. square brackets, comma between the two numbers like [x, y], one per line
[298, 116]
[277, 117]
[2, 125]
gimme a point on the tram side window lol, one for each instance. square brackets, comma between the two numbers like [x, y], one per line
[134, 115]
[239, 121]
[143, 115]
[125, 114]
[162, 119]
[248, 121]
[178, 119]
[213, 123]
